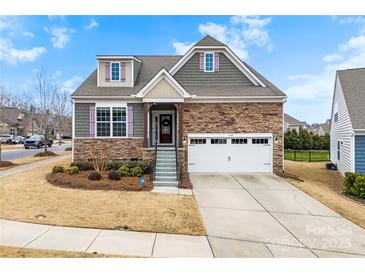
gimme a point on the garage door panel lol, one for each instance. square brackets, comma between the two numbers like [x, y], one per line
[230, 157]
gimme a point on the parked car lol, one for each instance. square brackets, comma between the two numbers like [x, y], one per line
[37, 141]
[18, 139]
[6, 138]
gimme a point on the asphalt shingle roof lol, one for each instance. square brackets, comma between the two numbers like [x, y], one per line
[353, 86]
[292, 121]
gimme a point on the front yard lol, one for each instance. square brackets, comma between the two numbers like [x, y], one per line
[326, 186]
[306, 156]
[27, 195]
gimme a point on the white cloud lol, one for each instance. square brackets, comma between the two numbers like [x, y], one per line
[3, 25]
[60, 36]
[356, 43]
[28, 34]
[332, 57]
[92, 24]
[352, 20]
[14, 56]
[242, 32]
[182, 47]
[71, 84]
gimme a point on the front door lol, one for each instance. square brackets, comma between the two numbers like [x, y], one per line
[165, 128]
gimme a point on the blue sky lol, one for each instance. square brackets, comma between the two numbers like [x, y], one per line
[299, 54]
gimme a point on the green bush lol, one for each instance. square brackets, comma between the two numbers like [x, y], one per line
[58, 169]
[123, 171]
[83, 165]
[73, 170]
[94, 176]
[145, 166]
[355, 184]
[114, 175]
[131, 164]
[114, 165]
[136, 172]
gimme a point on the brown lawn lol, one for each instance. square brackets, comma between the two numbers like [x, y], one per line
[27, 194]
[326, 186]
[15, 252]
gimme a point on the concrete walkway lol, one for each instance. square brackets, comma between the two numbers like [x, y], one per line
[19, 234]
[262, 215]
[26, 167]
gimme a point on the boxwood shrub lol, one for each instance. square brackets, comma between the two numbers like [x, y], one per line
[83, 165]
[355, 184]
[73, 170]
[58, 169]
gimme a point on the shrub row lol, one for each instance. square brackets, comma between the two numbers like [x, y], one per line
[60, 169]
[355, 184]
[145, 166]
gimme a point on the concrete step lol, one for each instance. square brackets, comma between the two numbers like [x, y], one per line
[165, 169]
[165, 148]
[164, 173]
[166, 178]
[165, 183]
[164, 161]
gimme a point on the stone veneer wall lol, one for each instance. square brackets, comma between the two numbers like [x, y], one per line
[111, 148]
[237, 118]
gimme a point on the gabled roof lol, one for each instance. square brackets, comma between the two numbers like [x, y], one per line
[11, 116]
[292, 121]
[353, 86]
[209, 41]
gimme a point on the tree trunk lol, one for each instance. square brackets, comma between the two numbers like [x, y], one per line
[0, 151]
[45, 140]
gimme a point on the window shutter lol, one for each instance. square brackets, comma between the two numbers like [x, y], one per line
[92, 120]
[107, 71]
[122, 72]
[201, 61]
[216, 61]
[130, 120]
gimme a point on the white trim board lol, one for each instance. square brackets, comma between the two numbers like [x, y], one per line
[229, 135]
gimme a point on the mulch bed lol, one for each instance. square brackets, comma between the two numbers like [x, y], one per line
[44, 154]
[68, 149]
[6, 164]
[288, 176]
[186, 185]
[353, 197]
[81, 181]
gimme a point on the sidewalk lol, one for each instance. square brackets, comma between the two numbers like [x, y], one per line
[141, 244]
[26, 167]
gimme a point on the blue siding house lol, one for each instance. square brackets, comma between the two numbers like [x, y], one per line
[348, 121]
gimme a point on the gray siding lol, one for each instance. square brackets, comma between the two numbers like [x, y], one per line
[228, 73]
[136, 68]
[138, 120]
[360, 154]
[82, 120]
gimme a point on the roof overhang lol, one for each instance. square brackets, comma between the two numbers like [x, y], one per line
[228, 53]
[162, 74]
[117, 57]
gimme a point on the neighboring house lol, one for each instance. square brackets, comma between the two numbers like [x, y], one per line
[321, 129]
[290, 123]
[348, 121]
[17, 122]
[218, 113]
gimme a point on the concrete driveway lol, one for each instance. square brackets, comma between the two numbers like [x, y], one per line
[262, 215]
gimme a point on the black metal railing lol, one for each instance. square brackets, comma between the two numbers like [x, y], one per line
[155, 162]
[178, 168]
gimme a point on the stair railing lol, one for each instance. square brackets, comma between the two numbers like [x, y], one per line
[177, 164]
[155, 139]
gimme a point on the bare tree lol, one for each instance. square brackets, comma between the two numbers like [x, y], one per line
[62, 109]
[44, 93]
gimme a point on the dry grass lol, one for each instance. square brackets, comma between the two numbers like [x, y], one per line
[15, 252]
[326, 186]
[28, 194]
[29, 160]
[7, 147]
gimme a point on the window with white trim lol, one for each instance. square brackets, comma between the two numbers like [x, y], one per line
[115, 71]
[257, 141]
[338, 150]
[239, 141]
[111, 121]
[208, 61]
[218, 141]
[198, 141]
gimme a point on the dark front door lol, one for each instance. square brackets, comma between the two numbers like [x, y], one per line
[165, 128]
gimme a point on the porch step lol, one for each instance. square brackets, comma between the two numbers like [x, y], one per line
[165, 157]
[166, 178]
[166, 169]
[165, 183]
[164, 162]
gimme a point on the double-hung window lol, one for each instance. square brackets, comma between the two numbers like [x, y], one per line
[111, 122]
[208, 61]
[115, 71]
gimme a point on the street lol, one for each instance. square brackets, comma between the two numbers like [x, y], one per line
[23, 153]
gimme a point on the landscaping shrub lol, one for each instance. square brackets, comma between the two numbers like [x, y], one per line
[58, 169]
[136, 172]
[83, 165]
[73, 170]
[114, 165]
[123, 171]
[44, 154]
[114, 175]
[94, 176]
[355, 184]
[145, 166]
[131, 164]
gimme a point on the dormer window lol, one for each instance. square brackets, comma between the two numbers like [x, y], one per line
[208, 61]
[115, 71]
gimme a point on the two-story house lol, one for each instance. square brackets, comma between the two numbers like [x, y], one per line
[206, 111]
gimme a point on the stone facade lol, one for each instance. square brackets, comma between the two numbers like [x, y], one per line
[237, 118]
[111, 148]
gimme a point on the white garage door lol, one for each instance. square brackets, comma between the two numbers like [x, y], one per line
[230, 153]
